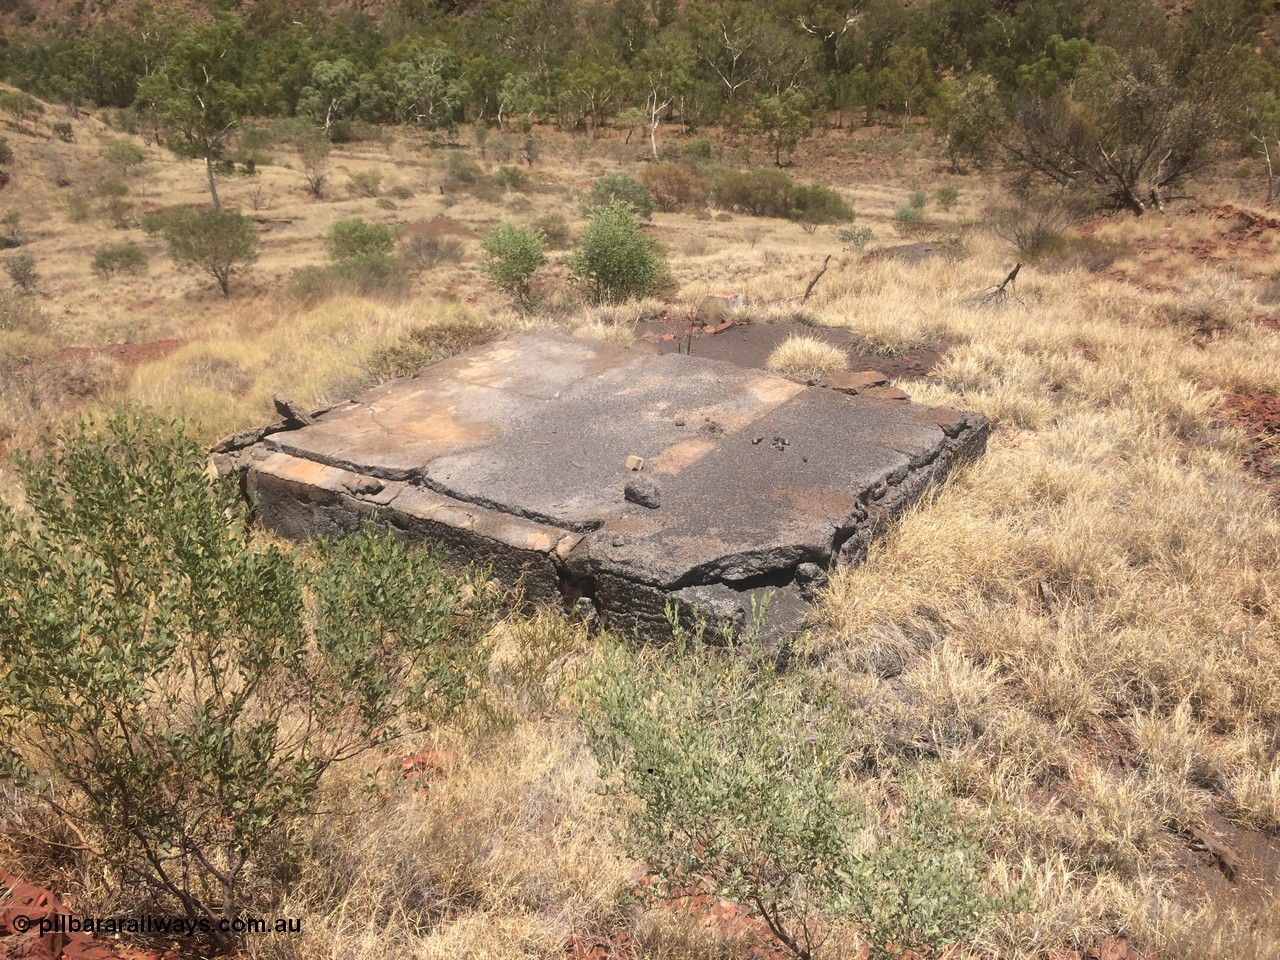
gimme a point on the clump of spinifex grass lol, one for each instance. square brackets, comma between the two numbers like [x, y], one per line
[807, 359]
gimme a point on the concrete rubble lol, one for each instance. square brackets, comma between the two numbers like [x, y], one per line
[522, 455]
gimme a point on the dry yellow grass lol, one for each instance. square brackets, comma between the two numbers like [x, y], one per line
[1079, 634]
[806, 359]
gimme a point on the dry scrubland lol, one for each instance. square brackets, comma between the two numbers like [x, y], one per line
[1079, 635]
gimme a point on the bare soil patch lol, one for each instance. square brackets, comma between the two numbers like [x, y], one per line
[128, 355]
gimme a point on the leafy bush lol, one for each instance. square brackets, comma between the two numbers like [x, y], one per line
[699, 149]
[119, 213]
[355, 238]
[460, 169]
[554, 229]
[947, 197]
[22, 271]
[11, 234]
[769, 192]
[22, 107]
[614, 259]
[512, 255]
[918, 200]
[736, 767]
[673, 187]
[907, 220]
[512, 178]
[856, 238]
[113, 188]
[811, 203]
[217, 242]
[78, 206]
[126, 258]
[124, 154]
[761, 193]
[366, 183]
[178, 687]
[613, 187]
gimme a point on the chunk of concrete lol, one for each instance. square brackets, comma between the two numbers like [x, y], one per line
[515, 455]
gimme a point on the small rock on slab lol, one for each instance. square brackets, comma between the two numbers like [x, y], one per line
[642, 491]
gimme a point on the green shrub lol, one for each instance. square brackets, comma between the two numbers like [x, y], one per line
[736, 767]
[371, 274]
[761, 193]
[947, 197]
[613, 259]
[11, 234]
[673, 187]
[22, 271]
[118, 212]
[460, 169]
[113, 188]
[907, 220]
[126, 258]
[217, 242]
[856, 238]
[699, 149]
[918, 200]
[554, 229]
[618, 186]
[78, 206]
[811, 203]
[366, 183]
[23, 107]
[502, 149]
[512, 178]
[180, 686]
[512, 255]
[355, 237]
[124, 154]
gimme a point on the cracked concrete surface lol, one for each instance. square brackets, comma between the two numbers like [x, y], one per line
[514, 455]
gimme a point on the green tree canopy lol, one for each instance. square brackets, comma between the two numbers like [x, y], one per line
[217, 242]
[202, 90]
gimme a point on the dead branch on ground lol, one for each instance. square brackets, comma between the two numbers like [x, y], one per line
[999, 294]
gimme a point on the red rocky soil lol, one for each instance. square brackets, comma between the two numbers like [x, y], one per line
[23, 905]
[1258, 415]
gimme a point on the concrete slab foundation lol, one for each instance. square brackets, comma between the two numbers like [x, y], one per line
[522, 455]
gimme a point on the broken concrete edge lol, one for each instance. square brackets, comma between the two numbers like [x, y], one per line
[301, 499]
[288, 417]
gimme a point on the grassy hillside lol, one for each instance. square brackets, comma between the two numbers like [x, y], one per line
[1078, 636]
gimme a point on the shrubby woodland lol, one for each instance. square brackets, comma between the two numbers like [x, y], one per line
[1118, 96]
